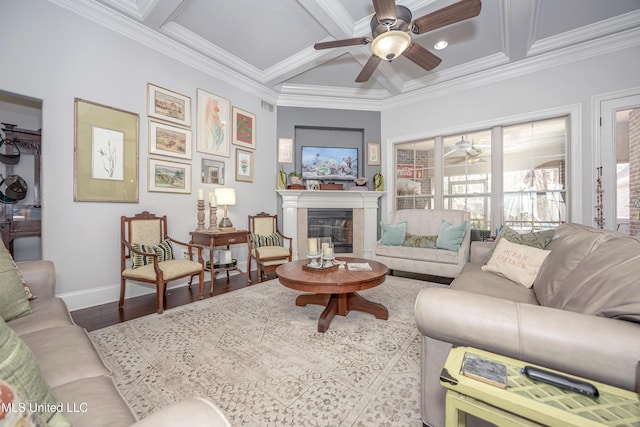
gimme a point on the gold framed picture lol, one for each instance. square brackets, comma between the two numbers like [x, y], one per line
[168, 140]
[105, 167]
[168, 105]
[169, 177]
[212, 172]
[373, 153]
[244, 165]
[244, 128]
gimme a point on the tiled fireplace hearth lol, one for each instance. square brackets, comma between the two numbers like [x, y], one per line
[364, 205]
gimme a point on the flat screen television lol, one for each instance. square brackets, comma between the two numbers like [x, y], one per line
[329, 163]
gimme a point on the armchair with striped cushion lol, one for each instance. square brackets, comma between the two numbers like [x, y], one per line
[269, 247]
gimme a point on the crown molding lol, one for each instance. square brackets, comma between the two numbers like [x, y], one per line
[138, 32]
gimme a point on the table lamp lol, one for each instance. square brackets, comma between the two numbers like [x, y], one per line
[225, 197]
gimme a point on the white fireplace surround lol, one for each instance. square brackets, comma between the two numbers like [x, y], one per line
[365, 216]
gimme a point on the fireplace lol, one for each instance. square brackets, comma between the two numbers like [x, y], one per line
[334, 223]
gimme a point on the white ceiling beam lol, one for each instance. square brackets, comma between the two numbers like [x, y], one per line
[519, 22]
[162, 12]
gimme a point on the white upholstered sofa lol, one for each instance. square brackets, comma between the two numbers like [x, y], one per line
[424, 260]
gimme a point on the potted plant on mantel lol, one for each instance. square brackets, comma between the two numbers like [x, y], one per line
[296, 181]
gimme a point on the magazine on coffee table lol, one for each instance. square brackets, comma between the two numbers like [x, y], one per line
[359, 266]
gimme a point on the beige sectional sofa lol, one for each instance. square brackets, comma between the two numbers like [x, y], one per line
[582, 315]
[425, 260]
[74, 370]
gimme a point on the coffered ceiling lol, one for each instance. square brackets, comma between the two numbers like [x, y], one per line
[269, 43]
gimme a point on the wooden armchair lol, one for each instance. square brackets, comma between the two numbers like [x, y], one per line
[148, 254]
[269, 246]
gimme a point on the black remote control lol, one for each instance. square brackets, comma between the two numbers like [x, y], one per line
[561, 381]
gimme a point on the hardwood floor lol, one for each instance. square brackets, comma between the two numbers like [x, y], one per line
[101, 316]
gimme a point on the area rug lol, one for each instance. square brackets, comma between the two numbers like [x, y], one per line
[260, 358]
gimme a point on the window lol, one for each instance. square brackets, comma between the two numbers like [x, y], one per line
[526, 186]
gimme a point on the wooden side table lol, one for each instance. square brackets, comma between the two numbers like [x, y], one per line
[527, 403]
[213, 239]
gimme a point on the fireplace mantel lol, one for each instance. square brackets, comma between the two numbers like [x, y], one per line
[292, 200]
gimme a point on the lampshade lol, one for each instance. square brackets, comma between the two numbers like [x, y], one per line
[225, 196]
[390, 44]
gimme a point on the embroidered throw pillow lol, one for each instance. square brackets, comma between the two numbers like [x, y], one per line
[417, 241]
[272, 239]
[535, 239]
[164, 250]
[519, 263]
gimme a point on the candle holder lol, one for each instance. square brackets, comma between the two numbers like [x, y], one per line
[213, 218]
[200, 226]
[314, 260]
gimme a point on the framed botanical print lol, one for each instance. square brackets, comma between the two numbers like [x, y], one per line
[373, 153]
[244, 165]
[167, 105]
[244, 128]
[212, 172]
[212, 128]
[168, 140]
[169, 177]
[106, 154]
[285, 150]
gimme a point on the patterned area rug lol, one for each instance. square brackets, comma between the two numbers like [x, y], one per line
[260, 358]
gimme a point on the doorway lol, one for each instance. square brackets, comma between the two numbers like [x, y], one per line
[619, 152]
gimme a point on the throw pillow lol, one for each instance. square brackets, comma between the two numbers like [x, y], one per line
[18, 367]
[393, 234]
[15, 410]
[272, 239]
[450, 236]
[417, 241]
[536, 239]
[164, 250]
[519, 263]
[13, 299]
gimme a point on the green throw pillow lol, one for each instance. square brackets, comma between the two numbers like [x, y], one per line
[417, 241]
[164, 250]
[393, 234]
[536, 239]
[18, 367]
[13, 300]
[272, 239]
[450, 236]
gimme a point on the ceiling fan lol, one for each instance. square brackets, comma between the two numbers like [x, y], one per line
[391, 29]
[467, 149]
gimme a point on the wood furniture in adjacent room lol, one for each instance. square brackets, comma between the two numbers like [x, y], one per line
[335, 289]
[223, 239]
[526, 402]
[143, 240]
[21, 220]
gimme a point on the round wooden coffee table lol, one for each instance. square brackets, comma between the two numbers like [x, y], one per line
[336, 289]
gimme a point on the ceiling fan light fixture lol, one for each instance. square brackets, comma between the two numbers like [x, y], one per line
[389, 45]
[441, 45]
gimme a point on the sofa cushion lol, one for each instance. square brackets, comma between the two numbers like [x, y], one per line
[64, 354]
[46, 312]
[418, 254]
[519, 263]
[13, 300]
[450, 236]
[393, 234]
[604, 282]
[18, 367]
[536, 239]
[473, 279]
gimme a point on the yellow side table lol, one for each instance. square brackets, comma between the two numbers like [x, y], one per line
[530, 403]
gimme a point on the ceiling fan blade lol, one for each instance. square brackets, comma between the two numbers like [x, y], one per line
[368, 69]
[341, 43]
[385, 11]
[457, 12]
[422, 57]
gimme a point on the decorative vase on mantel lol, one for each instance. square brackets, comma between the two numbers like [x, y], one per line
[281, 179]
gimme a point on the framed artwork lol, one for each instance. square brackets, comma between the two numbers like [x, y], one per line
[244, 165]
[168, 140]
[212, 172]
[244, 128]
[373, 153]
[285, 150]
[167, 105]
[169, 177]
[212, 128]
[105, 167]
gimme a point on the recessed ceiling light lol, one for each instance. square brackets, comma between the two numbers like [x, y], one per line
[441, 45]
